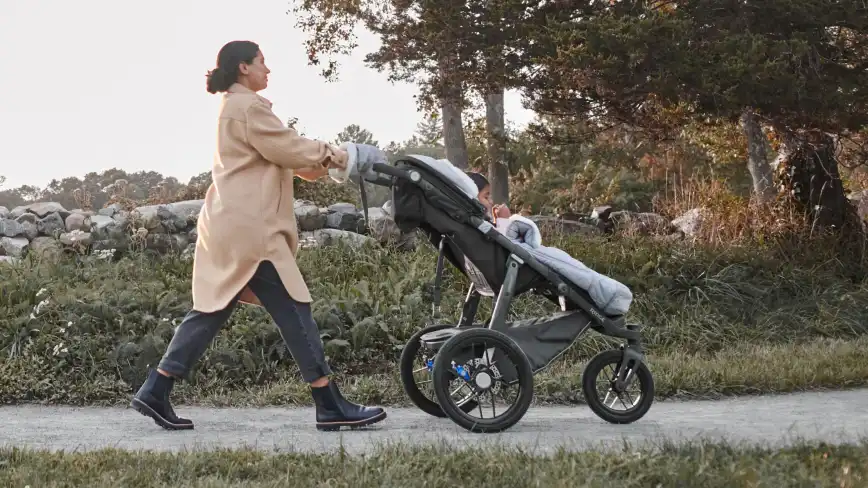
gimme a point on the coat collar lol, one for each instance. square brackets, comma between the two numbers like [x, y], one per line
[239, 88]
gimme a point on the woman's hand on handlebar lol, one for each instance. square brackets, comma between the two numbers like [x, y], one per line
[367, 156]
[339, 162]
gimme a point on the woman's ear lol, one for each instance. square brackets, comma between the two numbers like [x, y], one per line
[243, 69]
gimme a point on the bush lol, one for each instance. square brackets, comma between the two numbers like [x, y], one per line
[85, 329]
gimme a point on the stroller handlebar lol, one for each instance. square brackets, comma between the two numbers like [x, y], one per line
[389, 170]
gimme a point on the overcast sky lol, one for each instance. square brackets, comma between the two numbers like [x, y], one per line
[95, 84]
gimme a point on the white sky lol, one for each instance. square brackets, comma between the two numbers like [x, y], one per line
[92, 84]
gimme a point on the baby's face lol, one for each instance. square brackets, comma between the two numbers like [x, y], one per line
[485, 198]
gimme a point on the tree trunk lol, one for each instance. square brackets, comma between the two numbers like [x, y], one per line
[807, 169]
[451, 106]
[757, 162]
[453, 134]
[498, 171]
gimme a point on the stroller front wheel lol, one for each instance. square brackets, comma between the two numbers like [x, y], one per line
[490, 369]
[635, 401]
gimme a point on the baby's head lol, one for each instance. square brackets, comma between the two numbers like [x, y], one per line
[484, 188]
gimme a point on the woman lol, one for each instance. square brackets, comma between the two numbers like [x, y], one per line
[248, 241]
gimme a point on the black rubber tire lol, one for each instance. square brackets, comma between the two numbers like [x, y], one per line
[442, 375]
[405, 366]
[589, 388]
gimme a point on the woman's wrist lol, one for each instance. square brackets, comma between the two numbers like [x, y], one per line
[340, 158]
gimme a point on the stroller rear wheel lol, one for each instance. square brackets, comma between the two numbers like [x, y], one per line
[635, 398]
[416, 375]
[488, 366]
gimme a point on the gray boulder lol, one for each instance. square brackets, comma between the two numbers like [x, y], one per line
[76, 238]
[10, 228]
[691, 221]
[46, 248]
[309, 218]
[78, 221]
[40, 209]
[14, 246]
[51, 225]
[333, 237]
[27, 217]
[342, 207]
[31, 230]
[350, 221]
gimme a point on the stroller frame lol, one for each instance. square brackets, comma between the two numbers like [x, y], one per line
[579, 314]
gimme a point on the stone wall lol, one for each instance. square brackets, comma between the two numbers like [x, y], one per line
[48, 229]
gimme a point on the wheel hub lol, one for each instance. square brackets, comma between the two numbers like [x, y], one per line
[483, 380]
[486, 378]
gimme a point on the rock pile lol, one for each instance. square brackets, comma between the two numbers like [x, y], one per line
[609, 221]
[48, 229]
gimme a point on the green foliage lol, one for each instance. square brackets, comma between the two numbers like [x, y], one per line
[84, 330]
[354, 133]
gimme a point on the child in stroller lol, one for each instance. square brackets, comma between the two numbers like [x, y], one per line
[498, 213]
[612, 296]
[479, 362]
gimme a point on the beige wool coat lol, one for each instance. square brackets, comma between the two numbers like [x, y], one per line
[248, 215]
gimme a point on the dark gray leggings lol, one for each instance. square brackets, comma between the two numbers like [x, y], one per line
[294, 320]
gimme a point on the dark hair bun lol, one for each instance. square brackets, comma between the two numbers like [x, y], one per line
[217, 81]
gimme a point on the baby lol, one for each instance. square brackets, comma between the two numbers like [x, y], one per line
[499, 213]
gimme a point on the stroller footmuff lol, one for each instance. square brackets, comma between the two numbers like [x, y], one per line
[481, 375]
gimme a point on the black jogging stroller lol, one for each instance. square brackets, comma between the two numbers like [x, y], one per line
[473, 366]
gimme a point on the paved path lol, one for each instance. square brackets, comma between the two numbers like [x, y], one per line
[833, 417]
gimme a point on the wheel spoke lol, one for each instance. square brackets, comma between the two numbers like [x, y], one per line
[621, 397]
[614, 375]
[493, 408]
[609, 377]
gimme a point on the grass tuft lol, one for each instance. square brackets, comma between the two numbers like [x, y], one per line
[696, 464]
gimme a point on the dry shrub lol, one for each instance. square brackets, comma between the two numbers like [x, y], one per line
[730, 219]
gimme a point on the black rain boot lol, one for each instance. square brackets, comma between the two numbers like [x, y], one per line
[152, 401]
[333, 411]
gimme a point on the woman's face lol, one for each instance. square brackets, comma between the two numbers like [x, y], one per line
[255, 74]
[485, 198]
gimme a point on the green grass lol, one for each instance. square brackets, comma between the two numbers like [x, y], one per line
[708, 465]
[718, 322]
